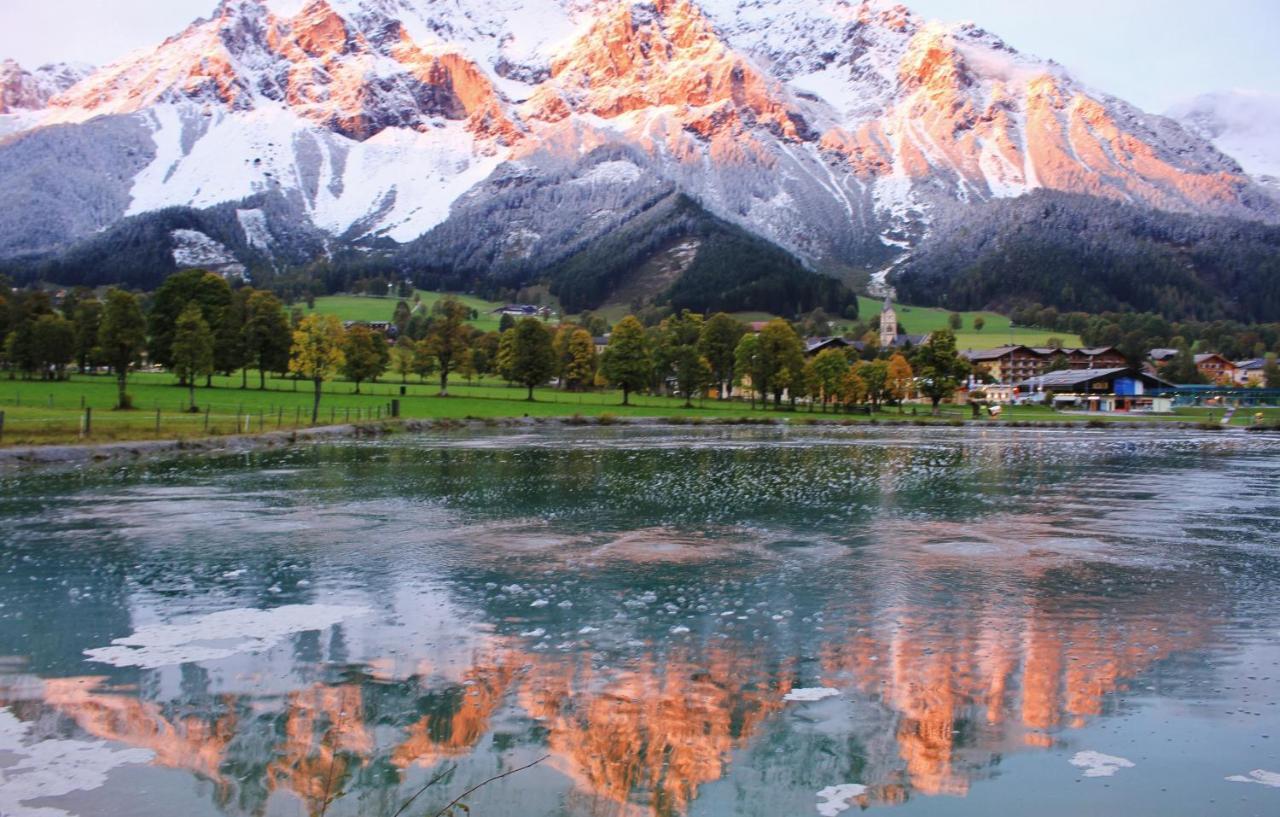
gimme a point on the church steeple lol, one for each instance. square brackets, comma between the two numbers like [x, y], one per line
[888, 324]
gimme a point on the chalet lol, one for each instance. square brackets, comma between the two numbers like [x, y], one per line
[1123, 389]
[522, 311]
[1216, 369]
[1011, 364]
[1250, 372]
[1159, 357]
[813, 346]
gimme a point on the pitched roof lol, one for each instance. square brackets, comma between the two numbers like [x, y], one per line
[1202, 358]
[1069, 378]
[1252, 364]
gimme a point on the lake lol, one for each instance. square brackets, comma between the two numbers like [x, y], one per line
[664, 621]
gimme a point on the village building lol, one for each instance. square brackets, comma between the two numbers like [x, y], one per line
[1251, 372]
[1119, 390]
[814, 346]
[891, 334]
[523, 311]
[1216, 369]
[1012, 364]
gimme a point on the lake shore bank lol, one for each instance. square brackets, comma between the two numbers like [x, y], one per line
[34, 456]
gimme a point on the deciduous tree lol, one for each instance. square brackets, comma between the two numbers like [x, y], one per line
[267, 336]
[938, 368]
[365, 355]
[580, 370]
[828, 370]
[628, 362]
[448, 335]
[900, 378]
[718, 344]
[192, 349]
[122, 337]
[532, 358]
[317, 353]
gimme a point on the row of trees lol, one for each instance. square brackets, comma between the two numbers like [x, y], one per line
[195, 325]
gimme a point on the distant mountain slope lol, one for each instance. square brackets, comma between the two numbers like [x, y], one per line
[1242, 124]
[1085, 254]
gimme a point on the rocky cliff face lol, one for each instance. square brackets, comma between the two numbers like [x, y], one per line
[23, 90]
[837, 129]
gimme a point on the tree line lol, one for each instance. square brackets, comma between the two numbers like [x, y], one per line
[196, 325]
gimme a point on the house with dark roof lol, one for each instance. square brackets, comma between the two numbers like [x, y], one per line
[1121, 389]
[814, 346]
[1250, 372]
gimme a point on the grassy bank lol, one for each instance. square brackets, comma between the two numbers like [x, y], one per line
[50, 413]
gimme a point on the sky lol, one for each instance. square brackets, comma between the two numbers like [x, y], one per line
[1150, 52]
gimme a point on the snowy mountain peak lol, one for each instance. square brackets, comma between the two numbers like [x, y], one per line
[23, 90]
[832, 127]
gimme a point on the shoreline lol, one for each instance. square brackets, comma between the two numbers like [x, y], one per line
[35, 456]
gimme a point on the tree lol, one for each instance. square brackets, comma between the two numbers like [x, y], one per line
[230, 351]
[317, 353]
[580, 369]
[956, 321]
[1058, 363]
[628, 362]
[692, 372]
[533, 361]
[900, 377]
[365, 355]
[54, 339]
[506, 322]
[875, 377]
[207, 289]
[746, 365]
[192, 349]
[505, 359]
[402, 358]
[828, 370]
[400, 318]
[781, 358]
[424, 360]
[852, 388]
[1181, 368]
[267, 336]
[448, 335]
[979, 323]
[1271, 372]
[938, 367]
[87, 318]
[718, 343]
[122, 337]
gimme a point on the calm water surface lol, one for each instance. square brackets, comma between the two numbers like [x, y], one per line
[709, 623]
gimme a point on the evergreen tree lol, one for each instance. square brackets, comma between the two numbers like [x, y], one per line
[628, 362]
[122, 337]
[192, 349]
[317, 353]
[532, 358]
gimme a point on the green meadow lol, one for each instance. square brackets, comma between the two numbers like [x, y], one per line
[48, 412]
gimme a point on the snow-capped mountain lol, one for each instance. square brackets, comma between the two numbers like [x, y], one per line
[1243, 124]
[24, 94]
[501, 131]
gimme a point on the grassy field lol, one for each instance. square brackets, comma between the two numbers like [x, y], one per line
[919, 320]
[378, 308]
[37, 412]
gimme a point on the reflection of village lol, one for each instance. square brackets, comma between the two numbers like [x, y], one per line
[948, 697]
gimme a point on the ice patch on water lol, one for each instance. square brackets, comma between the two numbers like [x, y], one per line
[810, 694]
[51, 768]
[1096, 764]
[1259, 776]
[538, 633]
[219, 635]
[838, 798]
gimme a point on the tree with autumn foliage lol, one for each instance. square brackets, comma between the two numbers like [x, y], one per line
[899, 381]
[317, 353]
[628, 361]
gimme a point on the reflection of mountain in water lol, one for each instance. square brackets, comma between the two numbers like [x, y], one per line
[932, 700]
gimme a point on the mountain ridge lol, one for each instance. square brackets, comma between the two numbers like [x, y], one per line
[841, 131]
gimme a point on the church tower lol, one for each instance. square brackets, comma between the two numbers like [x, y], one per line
[888, 325]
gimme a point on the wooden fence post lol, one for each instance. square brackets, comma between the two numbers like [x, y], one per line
[1, 425]
[206, 419]
[88, 420]
[157, 422]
